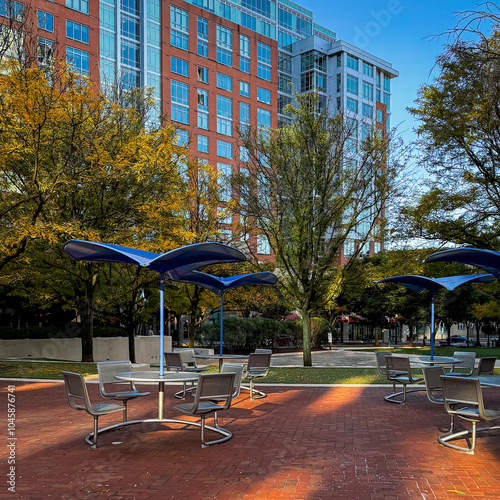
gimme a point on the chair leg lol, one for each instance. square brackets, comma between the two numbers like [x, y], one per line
[94, 440]
[124, 410]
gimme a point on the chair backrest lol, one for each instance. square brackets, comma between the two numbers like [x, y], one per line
[397, 365]
[467, 363]
[173, 361]
[237, 369]
[107, 371]
[432, 378]
[214, 387]
[187, 357]
[461, 390]
[259, 362]
[486, 366]
[76, 390]
[381, 361]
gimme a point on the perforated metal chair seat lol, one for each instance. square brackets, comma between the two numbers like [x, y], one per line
[203, 407]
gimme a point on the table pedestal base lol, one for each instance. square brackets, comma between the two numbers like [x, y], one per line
[226, 435]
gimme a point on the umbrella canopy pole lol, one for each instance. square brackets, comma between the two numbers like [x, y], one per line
[221, 321]
[162, 282]
[432, 325]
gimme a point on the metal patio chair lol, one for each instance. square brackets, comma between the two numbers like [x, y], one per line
[108, 383]
[381, 362]
[467, 364]
[486, 366]
[78, 399]
[237, 369]
[463, 397]
[214, 393]
[399, 372]
[257, 367]
[174, 362]
[432, 379]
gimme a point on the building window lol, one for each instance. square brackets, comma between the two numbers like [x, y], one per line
[387, 83]
[224, 82]
[179, 28]
[182, 138]
[202, 46]
[130, 6]
[263, 95]
[367, 110]
[351, 105]
[263, 118]
[224, 149]
[380, 116]
[387, 100]
[179, 102]
[264, 61]
[244, 89]
[223, 181]
[244, 116]
[12, 10]
[45, 54]
[377, 247]
[179, 66]
[349, 248]
[263, 246]
[367, 69]
[79, 5]
[352, 62]
[244, 155]
[352, 84]
[78, 59]
[130, 27]
[368, 91]
[45, 21]
[76, 31]
[130, 53]
[244, 54]
[202, 109]
[224, 46]
[339, 83]
[203, 143]
[202, 74]
[224, 115]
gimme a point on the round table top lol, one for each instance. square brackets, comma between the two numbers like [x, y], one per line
[436, 360]
[221, 356]
[154, 376]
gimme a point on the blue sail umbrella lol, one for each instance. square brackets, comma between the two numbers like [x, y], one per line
[174, 264]
[489, 260]
[420, 283]
[220, 285]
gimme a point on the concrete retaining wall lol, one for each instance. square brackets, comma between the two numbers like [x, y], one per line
[147, 349]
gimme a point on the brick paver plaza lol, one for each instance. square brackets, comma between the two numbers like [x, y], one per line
[299, 443]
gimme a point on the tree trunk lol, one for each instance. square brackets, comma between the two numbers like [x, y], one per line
[306, 338]
[191, 330]
[131, 344]
[87, 317]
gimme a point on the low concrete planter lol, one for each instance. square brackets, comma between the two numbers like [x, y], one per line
[147, 349]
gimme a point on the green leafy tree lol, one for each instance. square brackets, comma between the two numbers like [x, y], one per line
[459, 139]
[308, 191]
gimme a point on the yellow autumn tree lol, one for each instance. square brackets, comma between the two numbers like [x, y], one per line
[74, 164]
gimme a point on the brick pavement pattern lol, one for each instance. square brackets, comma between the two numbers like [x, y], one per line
[300, 443]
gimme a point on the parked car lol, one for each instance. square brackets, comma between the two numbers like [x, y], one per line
[458, 339]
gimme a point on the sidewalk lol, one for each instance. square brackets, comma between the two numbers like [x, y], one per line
[300, 443]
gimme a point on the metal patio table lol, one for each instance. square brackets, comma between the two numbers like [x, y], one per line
[436, 360]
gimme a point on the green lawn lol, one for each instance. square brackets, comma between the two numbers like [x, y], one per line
[278, 375]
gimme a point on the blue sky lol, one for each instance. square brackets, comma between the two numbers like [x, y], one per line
[400, 31]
